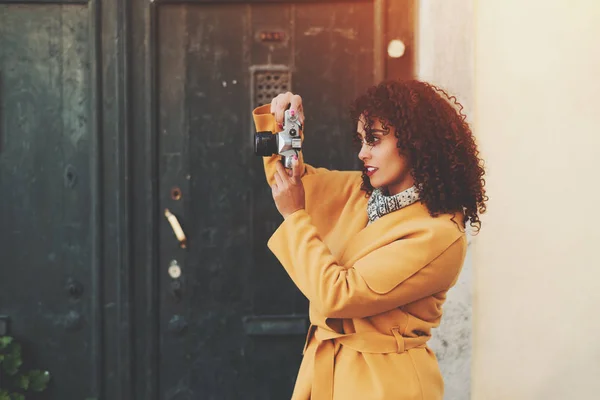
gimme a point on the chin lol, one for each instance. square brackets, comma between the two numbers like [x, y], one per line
[375, 185]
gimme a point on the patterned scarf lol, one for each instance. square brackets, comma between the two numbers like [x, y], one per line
[380, 204]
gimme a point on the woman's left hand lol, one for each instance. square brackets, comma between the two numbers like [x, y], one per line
[288, 190]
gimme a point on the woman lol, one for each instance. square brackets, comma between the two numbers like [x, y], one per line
[375, 253]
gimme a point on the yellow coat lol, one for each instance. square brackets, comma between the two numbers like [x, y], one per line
[375, 291]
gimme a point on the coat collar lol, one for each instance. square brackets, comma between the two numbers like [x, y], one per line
[393, 226]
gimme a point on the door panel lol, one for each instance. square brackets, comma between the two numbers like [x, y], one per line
[47, 181]
[232, 325]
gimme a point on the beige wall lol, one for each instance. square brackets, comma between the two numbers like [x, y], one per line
[445, 47]
[445, 57]
[536, 264]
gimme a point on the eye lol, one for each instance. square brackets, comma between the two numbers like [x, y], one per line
[369, 141]
[374, 141]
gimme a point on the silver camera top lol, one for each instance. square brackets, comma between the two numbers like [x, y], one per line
[290, 143]
[286, 143]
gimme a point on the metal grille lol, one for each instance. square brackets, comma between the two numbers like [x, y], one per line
[268, 82]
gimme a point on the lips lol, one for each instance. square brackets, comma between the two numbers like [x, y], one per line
[370, 170]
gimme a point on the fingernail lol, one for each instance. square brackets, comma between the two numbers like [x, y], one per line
[280, 125]
[295, 158]
[292, 113]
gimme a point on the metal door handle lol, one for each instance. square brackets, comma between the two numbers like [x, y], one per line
[176, 228]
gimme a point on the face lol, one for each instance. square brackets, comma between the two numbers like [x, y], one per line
[385, 166]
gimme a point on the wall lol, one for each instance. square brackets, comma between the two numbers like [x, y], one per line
[537, 272]
[445, 58]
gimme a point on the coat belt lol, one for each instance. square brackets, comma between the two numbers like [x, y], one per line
[364, 342]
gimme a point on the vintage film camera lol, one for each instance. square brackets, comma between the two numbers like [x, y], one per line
[286, 143]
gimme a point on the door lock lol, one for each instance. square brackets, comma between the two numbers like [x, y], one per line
[174, 270]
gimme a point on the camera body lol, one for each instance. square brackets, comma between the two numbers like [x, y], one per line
[286, 143]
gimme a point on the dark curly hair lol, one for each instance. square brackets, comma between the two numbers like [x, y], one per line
[436, 139]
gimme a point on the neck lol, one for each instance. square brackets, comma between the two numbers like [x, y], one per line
[399, 187]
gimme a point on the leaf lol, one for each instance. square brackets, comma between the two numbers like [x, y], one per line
[12, 361]
[22, 382]
[38, 380]
[5, 341]
[4, 395]
[15, 349]
[12, 364]
[17, 396]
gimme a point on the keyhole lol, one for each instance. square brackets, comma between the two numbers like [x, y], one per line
[176, 193]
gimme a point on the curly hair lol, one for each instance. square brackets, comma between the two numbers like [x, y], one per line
[435, 138]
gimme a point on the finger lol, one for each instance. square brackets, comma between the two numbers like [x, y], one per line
[284, 174]
[282, 103]
[296, 105]
[274, 104]
[296, 170]
[278, 179]
[279, 117]
[301, 117]
[279, 166]
[276, 108]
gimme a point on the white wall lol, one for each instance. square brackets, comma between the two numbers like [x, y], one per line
[445, 57]
[537, 270]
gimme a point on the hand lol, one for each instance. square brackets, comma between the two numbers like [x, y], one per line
[280, 103]
[288, 191]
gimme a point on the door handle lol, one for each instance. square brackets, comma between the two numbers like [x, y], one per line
[176, 228]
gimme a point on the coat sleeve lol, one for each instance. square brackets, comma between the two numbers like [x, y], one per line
[265, 121]
[389, 277]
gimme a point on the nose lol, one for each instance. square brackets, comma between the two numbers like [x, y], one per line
[364, 152]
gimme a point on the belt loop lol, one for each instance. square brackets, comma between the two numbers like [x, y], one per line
[399, 339]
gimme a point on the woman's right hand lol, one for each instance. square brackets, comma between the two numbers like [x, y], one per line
[280, 103]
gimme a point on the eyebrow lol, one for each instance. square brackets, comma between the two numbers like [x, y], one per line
[374, 131]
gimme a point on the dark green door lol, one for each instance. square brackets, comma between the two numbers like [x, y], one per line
[235, 327]
[49, 201]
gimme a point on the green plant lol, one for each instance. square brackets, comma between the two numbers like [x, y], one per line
[14, 383]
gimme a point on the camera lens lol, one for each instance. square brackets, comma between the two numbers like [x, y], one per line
[265, 144]
[293, 132]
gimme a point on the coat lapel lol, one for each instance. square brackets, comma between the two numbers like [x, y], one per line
[383, 231]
